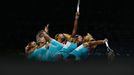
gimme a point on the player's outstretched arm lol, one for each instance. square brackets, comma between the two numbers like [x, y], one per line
[99, 42]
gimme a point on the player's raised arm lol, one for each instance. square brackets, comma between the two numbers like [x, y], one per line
[39, 35]
[46, 29]
[75, 23]
[76, 19]
[47, 37]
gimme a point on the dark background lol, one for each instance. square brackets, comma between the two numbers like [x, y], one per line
[103, 19]
[22, 19]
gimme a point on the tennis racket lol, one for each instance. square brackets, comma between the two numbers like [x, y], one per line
[110, 52]
[78, 4]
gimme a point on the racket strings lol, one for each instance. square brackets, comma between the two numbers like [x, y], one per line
[110, 52]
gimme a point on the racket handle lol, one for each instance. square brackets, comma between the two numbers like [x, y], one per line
[106, 44]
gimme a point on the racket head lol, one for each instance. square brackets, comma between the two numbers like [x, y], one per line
[110, 52]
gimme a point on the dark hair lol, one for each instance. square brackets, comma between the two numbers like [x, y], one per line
[56, 37]
[76, 36]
